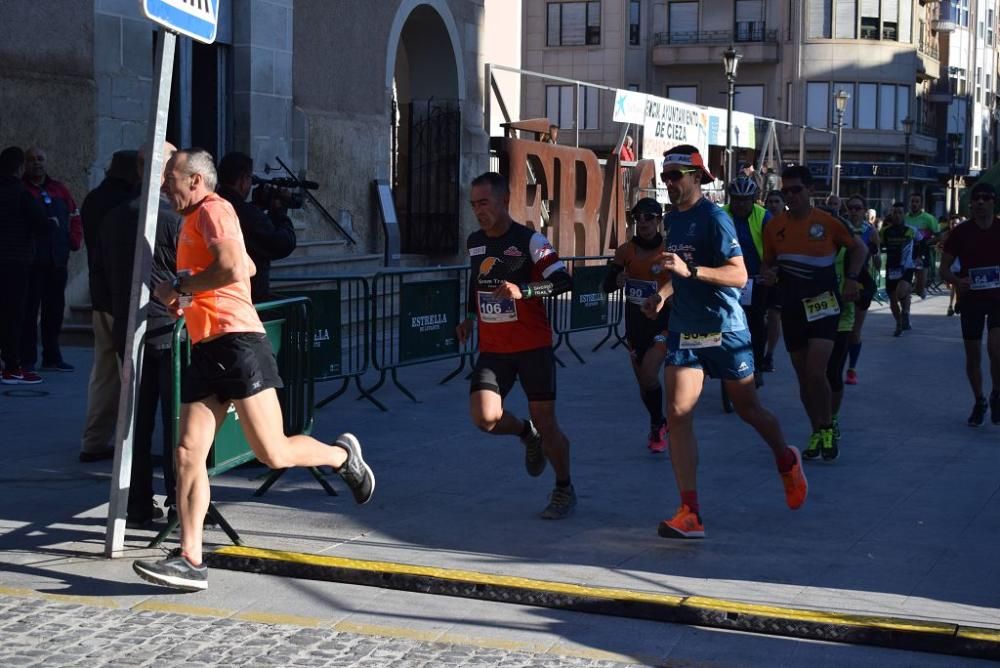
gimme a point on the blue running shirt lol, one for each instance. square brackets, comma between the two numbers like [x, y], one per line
[704, 235]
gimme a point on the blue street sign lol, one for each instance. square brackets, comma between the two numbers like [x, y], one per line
[198, 19]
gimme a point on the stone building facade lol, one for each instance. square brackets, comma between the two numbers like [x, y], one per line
[344, 92]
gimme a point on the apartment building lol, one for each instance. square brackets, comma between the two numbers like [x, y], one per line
[886, 55]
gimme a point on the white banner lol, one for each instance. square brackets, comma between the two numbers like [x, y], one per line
[630, 107]
[668, 124]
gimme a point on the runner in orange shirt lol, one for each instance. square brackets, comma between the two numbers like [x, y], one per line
[231, 363]
[800, 250]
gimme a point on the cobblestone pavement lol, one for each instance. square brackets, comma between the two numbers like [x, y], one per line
[40, 632]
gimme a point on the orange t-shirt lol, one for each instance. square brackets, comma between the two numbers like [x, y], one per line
[225, 310]
[805, 251]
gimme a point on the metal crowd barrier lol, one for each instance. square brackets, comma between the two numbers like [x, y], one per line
[342, 328]
[287, 330]
[587, 307]
[414, 315]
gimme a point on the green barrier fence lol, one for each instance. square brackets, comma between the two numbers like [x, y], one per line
[414, 316]
[587, 307]
[287, 325]
[342, 329]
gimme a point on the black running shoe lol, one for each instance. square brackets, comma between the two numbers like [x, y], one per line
[355, 472]
[899, 330]
[562, 501]
[978, 416]
[175, 571]
[534, 455]
[995, 409]
[906, 322]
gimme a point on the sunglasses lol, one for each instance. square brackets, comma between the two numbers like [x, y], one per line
[792, 190]
[982, 198]
[647, 217]
[677, 174]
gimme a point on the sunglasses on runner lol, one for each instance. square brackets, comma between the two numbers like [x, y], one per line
[647, 217]
[675, 175]
[983, 197]
[792, 190]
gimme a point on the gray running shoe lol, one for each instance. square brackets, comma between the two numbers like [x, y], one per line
[562, 501]
[534, 455]
[355, 472]
[175, 571]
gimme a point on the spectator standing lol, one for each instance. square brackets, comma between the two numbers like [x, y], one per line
[47, 280]
[118, 186]
[267, 229]
[627, 154]
[21, 220]
[116, 248]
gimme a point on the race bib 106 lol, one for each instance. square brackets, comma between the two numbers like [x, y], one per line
[821, 306]
[495, 310]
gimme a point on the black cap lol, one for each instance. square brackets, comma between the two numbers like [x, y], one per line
[983, 187]
[647, 205]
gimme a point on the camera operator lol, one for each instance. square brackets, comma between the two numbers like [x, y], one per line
[267, 229]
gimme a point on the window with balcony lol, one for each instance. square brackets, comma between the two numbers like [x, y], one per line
[573, 23]
[634, 8]
[749, 21]
[683, 24]
[749, 99]
[560, 107]
[687, 94]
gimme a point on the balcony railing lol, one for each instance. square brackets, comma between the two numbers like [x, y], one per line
[928, 47]
[744, 33]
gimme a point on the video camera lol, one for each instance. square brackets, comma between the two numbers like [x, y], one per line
[267, 190]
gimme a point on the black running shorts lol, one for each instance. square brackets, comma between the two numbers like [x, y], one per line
[797, 331]
[232, 366]
[976, 316]
[536, 369]
[890, 285]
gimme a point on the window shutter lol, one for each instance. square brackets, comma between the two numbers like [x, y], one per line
[846, 19]
[819, 17]
[683, 20]
[890, 11]
[574, 23]
[749, 11]
[869, 9]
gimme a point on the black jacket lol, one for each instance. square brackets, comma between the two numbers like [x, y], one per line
[268, 236]
[98, 202]
[22, 220]
[116, 245]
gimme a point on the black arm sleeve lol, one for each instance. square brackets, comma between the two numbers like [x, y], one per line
[611, 279]
[557, 283]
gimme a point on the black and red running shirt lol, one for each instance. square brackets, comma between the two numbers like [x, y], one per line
[519, 256]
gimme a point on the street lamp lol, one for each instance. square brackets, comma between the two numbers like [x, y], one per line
[840, 102]
[730, 61]
[954, 139]
[907, 124]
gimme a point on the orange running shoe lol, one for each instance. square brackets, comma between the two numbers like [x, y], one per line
[684, 524]
[852, 377]
[796, 486]
[658, 439]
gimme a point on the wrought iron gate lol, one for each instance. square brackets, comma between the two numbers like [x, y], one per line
[429, 212]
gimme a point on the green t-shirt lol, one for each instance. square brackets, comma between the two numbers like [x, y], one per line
[924, 222]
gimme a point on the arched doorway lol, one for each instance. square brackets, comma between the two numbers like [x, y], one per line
[426, 128]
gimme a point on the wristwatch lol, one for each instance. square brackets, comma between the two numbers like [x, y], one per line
[853, 277]
[176, 284]
[693, 268]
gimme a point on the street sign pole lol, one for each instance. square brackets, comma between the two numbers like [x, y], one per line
[114, 542]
